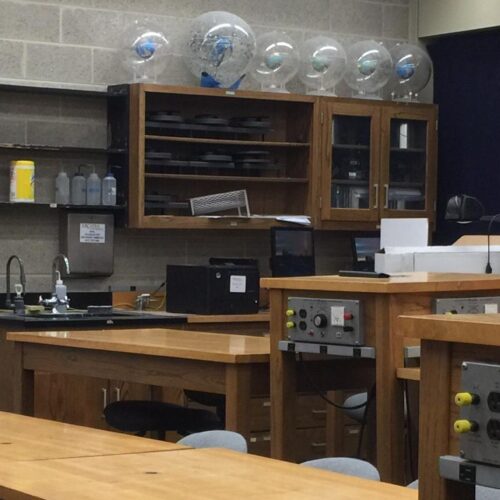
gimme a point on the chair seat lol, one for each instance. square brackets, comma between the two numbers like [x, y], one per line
[144, 416]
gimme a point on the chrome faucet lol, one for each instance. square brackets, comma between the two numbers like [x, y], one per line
[59, 301]
[8, 302]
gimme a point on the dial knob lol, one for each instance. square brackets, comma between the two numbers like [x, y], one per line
[320, 320]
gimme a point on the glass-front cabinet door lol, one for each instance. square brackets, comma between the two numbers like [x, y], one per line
[350, 189]
[408, 162]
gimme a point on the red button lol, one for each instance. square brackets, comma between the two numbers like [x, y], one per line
[348, 316]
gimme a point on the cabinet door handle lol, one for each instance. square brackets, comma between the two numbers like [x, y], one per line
[318, 445]
[318, 412]
[375, 205]
[118, 393]
[386, 195]
[104, 397]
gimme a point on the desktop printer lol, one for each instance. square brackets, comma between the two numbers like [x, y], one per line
[225, 286]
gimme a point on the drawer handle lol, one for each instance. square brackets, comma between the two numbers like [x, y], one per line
[318, 445]
[118, 393]
[353, 431]
[318, 412]
[254, 439]
[266, 404]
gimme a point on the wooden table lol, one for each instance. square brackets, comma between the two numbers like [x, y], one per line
[25, 438]
[247, 324]
[234, 365]
[207, 474]
[447, 341]
[383, 301]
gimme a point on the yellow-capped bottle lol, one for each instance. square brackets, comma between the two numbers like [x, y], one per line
[22, 181]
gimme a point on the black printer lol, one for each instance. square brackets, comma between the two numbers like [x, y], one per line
[224, 286]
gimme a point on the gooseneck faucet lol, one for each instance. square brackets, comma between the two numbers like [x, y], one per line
[59, 301]
[8, 301]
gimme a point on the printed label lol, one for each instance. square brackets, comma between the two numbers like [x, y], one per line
[238, 284]
[92, 233]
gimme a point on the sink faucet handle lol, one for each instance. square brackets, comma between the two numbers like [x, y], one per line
[19, 289]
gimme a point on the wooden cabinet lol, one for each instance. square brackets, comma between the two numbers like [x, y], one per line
[379, 160]
[346, 163]
[190, 142]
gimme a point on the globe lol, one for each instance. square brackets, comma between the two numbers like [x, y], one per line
[369, 67]
[145, 50]
[412, 71]
[218, 49]
[276, 61]
[322, 65]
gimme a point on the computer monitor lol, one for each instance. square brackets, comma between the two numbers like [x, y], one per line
[292, 251]
[364, 249]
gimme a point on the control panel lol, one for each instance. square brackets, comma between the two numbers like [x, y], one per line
[479, 422]
[324, 321]
[467, 305]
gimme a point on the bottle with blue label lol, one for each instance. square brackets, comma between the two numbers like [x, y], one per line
[109, 189]
[93, 189]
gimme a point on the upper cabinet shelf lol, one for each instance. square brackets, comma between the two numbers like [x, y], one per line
[189, 142]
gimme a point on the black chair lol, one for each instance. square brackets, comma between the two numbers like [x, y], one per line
[154, 416]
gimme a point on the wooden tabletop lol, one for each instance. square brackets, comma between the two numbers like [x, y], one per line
[204, 346]
[263, 316]
[464, 328]
[207, 474]
[27, 438]
[402, 283]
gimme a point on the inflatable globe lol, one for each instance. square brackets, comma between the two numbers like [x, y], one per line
[412, 71]
[276, 61]
[218, 49]
[322, 65]
[145, 50]
[369, 67]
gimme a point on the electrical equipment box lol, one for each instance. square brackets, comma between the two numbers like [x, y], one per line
[87, 241]
[466, 305]
[479, 422]
[324, 321]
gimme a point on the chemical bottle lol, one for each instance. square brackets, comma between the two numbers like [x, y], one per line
[109, 189]
[93, 189]
[62, 188]
[22, 181]
[78, 188]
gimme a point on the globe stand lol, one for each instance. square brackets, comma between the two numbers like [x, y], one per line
[408, 97]
[375, 96]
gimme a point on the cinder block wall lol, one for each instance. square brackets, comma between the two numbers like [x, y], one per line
[75, 43]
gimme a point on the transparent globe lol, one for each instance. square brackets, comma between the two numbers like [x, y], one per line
[219, 48]
[145, 51]
[412, 71]
[322, 65]
[369, 67]
[276, 61]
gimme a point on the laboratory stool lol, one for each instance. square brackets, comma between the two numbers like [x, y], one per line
[345, 465]
[216, 439]
[155, 416]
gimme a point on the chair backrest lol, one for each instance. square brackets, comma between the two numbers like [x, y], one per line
[482, 492]
[344, 465]
[216, 439]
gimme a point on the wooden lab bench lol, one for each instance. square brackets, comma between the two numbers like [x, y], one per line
[383, 300]
[447, 341]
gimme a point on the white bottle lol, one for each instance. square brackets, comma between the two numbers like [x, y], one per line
[78, 189]
[93, 189]
[109, 190]
[62, 188]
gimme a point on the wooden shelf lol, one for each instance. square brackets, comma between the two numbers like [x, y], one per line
[358, 147]
[348, 182]
[229, 178]
[408, 150]
[99, 208]
[227, 142]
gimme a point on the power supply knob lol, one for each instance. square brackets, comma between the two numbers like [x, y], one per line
[320, 321]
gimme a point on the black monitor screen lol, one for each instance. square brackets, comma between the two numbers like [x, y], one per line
[292, 251]
[365, 248]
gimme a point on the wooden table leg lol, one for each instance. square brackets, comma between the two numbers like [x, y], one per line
[435, 380]
[389, 396]
[23, 384]
[238, 392]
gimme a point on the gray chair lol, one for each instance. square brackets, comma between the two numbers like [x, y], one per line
[357, 414]
[216, 439]
[344, 465]
[482, 492]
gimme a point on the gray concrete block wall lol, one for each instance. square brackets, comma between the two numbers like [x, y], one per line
[75, 43]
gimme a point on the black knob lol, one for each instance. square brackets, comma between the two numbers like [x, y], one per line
[320, 320]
